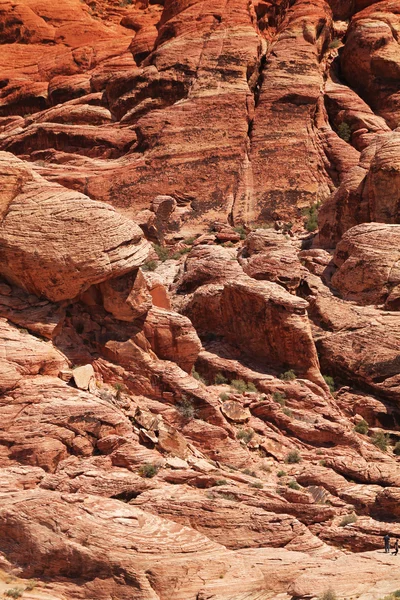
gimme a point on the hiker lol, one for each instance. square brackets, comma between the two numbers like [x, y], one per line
[387, 543]
[396, 547]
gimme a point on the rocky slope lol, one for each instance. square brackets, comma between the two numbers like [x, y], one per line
[199, 296]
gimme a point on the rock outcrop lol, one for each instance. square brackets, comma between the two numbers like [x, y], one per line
[199, 296]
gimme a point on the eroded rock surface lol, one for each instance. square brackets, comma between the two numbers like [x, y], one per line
[199, 332]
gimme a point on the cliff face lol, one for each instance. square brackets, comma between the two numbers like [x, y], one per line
[199, 296]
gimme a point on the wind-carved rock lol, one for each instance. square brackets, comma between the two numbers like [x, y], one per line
[55, 242]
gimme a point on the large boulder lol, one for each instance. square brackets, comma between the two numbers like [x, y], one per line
[368, 261]
[56, 242]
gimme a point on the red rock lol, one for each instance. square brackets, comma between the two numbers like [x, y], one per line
[41, 268]
[368, 264]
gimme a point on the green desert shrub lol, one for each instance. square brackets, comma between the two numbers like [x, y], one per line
[344, 132]
[380, 440]
[150, 265]
[311, 214]
[361, 427]
[330, 383]
[279, 398]
[288, 375]
[281, 474]
[245, 434]
[293, 457]
[293, 485]
[197, 376]
[186, 408]
[148, 470]
[220, 379]
[14, 592]
[257, 484]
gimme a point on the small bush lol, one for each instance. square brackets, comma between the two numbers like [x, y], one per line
[396, 449]
[150, 265]
[257, 484]
[148, 470]
[186, 409]
[330, 383]
[344, 132]
[311, 214]
[287, 412]
[245, 434]
[335, 43]
[14, 593]
[251, 387]
[288, 375]
[281, 474]
[241, 231]
[329, 595]
[31, 585]
[197, 376]
[239, 385]
[162, 253]
[190, 240]
[293, 485]
[361, 427]
[221, 482]
[347, 520]
[279, 398]
[380, 440]
[293, 457]
[224, 396]
[220, 379]
[228, 244]
[249, 472]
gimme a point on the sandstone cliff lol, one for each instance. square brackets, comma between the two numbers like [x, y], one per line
[199, 296]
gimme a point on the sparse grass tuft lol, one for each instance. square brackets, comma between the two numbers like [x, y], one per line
[221, 482]
[186, 409]
[328, 595]
[293, 485]
[197, 376]
[14, 592]
[287, 411]
[361, 427]
[279, 398]
[150, 265]
[330, 383]
[335, 43]
[241, 231]
[220, 379]
[239, 385]
[224, 396]
[293, 457]
[380, 440]
[281, 474]
[257, 484]
[249, 472]
[245, 434]
[288, 375]
[162, 253]
[348, 520]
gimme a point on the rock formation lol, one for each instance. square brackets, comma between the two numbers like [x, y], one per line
[199, 299]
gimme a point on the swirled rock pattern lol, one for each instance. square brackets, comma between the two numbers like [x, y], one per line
[199, 296]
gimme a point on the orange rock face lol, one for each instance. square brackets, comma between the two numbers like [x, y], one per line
[199, 296]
